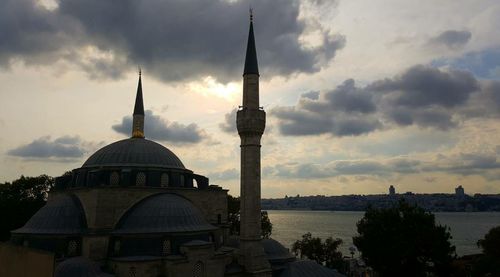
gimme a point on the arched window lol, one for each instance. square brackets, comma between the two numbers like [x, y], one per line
[164, 180]
[114, 179]
[140, 179]
[116, 247]
[72, 248]
[132, 271]
[195, 183]
[181, 178]
[198, 269]
[166, 247]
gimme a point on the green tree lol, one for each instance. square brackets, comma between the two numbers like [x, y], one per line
[489, 263]
[404, 241]
[325, 253]
[20, 200]
[233, 209]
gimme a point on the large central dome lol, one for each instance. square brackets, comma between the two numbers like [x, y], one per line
[134, 152]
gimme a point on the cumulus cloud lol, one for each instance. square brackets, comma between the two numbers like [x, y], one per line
[451, 39]
[157, 128]
[228, 174]
[229, 124]
[174, 40]
[45, 147]
[424, 96]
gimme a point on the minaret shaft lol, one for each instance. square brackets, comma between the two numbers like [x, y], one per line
[251, 91]
[251, 122]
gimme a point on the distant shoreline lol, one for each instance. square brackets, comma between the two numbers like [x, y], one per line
[436, 202]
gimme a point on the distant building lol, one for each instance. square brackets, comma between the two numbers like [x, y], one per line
[392, 190]
[459, 191]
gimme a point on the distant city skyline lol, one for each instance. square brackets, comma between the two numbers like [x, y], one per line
[359, 95]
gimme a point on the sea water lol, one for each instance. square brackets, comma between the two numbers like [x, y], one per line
[289, 226]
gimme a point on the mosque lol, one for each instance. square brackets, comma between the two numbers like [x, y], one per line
[134, 209]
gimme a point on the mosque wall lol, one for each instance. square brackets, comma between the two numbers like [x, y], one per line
[18, 261]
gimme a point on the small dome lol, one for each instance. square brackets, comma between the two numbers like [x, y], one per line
[79, 267]
[307, 268]
[276, 252]
[61, 215]
[134, 152]
[163, 213]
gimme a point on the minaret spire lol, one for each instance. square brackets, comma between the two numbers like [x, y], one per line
[138, 116]
[251, 122]
[251, 65]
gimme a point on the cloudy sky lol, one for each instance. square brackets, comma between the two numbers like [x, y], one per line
[360, 94]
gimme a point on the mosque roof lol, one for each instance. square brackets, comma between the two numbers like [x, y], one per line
[307, 268]
[61, 215]
[134, 152]
[79, 267]
[163, 213]
[276, 252]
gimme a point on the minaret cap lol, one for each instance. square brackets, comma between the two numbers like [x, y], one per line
[138, 115]
[251, 65]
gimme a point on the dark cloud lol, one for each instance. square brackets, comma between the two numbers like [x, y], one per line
[229, 124]
[347, 97]
[421, 86]
[34, 34]
[344, 111]
[451, 38]
[157, 128]
[44, 147]
[421, 95]
[173, 40]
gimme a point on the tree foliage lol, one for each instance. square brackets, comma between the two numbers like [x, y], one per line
[20, 200]
[489, 263]
[233, 204]
[325, 253]
[404, 241]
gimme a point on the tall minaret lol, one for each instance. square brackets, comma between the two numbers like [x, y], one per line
[251, 122]
[138, 120]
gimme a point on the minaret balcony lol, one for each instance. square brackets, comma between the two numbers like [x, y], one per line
[251, 121]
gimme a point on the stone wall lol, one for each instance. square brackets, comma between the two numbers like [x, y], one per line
[18, 261]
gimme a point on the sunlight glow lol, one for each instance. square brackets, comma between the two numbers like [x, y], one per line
[209, 86]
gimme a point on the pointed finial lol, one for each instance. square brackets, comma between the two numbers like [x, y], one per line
[140, 71]
[251, 14]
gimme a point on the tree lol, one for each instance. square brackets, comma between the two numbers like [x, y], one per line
[491, 243]
[404, 241]
[325, 253]
[233, 209]
[489, 263]
[20, 200]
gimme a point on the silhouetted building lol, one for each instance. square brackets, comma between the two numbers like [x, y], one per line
[392, 190]
[459, 191]
[134, 209]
